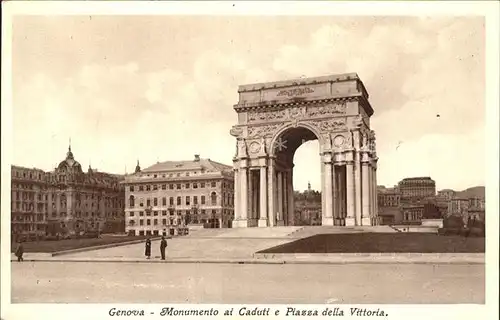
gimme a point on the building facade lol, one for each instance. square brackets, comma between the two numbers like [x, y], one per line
[274, 119]
[66, 201]
[389, 205]
[167, 197]
[308, 207]
[412, 189]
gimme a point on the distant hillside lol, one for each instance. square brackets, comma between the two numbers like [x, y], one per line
[474, 192]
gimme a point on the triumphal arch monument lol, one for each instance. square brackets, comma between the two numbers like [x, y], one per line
[274, 119]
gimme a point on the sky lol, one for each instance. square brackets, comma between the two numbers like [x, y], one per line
[158, 88]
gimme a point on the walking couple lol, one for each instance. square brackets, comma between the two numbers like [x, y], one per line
[163, 247]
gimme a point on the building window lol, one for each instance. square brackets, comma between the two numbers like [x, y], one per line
[164, 186]
[141, 222]
[164, 212]
[164, 222]
[148, 202]
[131, 201]
[171, 222]
[213, 197]
[155, 222]
[155, 202]
[187, 185]
[202, 185]
[155, 187]
[131, 213]
[148, 188]
[178, 186]
[178, 201]
[155, 213]
[141, 213]
[195, 199]
[195, 186]
[132, 188]
[155, 176]
[213, 184]
[202, 199]
[148, 222]
[164, 201]
[171, 201]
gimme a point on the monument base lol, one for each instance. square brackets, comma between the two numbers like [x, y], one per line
[350, 222]
[366, 221]
[327, 221]
[262, 223]
[242, 223]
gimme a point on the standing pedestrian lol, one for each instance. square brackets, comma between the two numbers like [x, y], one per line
[20, 251]
[148, 248]
[163, 247]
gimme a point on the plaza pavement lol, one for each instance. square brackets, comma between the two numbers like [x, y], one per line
[69, 282]
[240, 246]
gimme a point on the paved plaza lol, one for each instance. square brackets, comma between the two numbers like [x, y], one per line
[99, 277]
[79, 282]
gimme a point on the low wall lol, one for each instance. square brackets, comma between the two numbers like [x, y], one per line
[438, 223]
[104, 246]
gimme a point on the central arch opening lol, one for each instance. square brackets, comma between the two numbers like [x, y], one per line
[297, 202]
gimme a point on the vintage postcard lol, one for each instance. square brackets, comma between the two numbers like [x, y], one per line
[270, 159]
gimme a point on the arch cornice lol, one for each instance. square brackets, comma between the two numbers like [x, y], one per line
[275, 104]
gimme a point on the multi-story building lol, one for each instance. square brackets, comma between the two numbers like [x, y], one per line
[307, 207]
[29, 202]
[168, 196]
[388, 197]
[413, 189]
[446, 194]
[66, 201]
[389, 205]
[412, 213]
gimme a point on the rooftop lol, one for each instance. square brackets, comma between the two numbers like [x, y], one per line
[298, 81]
[196, 164]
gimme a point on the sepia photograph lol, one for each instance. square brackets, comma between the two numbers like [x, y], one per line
[265, 159]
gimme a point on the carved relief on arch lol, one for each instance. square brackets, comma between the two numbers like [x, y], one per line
[262, 131]
[329, 125]
[328, 109]
[263, 116]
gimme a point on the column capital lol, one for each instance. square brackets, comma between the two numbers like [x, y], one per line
[243, 164]
[327, 157]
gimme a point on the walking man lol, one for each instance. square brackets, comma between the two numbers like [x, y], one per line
[163, 247]
[148, 249]
[19, 251]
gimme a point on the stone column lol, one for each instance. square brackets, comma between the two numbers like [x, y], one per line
[242, 221]
[290, 198]
[263, 197]
[285, 197]
[365, 220]
[237, 188]
[335, 189]
[271, 193]
[357, 179]
[328, 187]
[250, 197]
[323, 190]
[351, 193]
[342, 192]
[279, 215]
